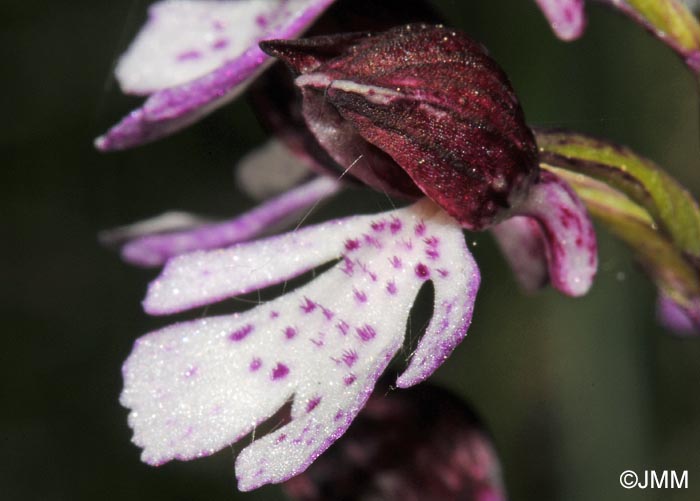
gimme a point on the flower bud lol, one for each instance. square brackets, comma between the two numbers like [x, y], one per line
[419, 108]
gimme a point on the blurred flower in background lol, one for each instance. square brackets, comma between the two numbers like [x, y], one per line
[417, 444]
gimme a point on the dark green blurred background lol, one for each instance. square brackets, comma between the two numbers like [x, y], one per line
[575, 391]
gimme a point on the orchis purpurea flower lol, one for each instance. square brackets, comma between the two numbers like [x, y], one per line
[671, 21]
[441, 125]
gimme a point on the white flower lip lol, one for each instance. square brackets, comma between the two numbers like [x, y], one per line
[196, 387]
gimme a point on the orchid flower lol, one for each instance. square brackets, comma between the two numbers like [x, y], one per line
[454, 139]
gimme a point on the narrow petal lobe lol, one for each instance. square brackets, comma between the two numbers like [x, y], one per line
[569, 236]
[156, 249]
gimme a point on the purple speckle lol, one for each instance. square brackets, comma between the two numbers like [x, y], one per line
[391, 287]
[360, 296]
[280, 371]
[308, 306]
[366, 270]
[218, 25]
[191, 372]
[396, 262]
[274, 314]
[343, 327]
[378, 226]
[352, 244]
[348, 267]
[255, 364]
[420, 229]
[221, 43]
[432, 241]
[350, 357]
[327, 313]
[290, 332]
[317, 342]
[370, 240]
[366, 332]
[242, 333]
[261, 21]
[189, 55]
[443, 272]
[339, 415]
[395, 226]
[312, 404]
[281, 438]
[432, 254]
[422, 271]
[349, 379]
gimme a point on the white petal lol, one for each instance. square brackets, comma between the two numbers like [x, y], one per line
[196, 387]
[173, 106]
[186, 39]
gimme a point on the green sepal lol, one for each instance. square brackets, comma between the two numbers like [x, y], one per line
[640, 204]
[672, 21]
[671, 207]
[671, 272]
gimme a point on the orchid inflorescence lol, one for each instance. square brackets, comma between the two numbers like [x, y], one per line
[418, 111]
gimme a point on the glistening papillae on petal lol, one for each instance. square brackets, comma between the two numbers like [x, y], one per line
[196, 387]
[565, 231]
[567, 17]
[156, 249]
[197, 56]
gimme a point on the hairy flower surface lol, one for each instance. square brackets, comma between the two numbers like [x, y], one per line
[196, 387]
